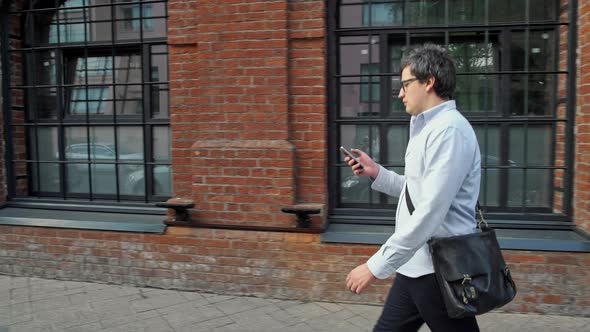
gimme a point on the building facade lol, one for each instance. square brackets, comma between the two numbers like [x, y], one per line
[235, 111]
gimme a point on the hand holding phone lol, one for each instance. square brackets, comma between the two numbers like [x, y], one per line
[349, 154]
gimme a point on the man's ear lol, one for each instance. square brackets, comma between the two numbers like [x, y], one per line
[430, 84]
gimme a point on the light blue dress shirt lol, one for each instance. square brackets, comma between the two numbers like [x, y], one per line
[442, 173]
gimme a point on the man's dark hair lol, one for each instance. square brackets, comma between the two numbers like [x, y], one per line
[431, 60]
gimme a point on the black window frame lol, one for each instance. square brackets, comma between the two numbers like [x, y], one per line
[145, 46]
[380, 216]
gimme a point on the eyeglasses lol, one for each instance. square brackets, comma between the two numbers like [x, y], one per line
[401, 85]
[406, 83]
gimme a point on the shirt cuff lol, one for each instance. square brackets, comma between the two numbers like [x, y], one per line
[380, 182]
[375, 266]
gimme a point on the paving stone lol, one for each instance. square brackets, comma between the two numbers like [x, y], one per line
[215, 324]
[92, 327]
[192, 296]
[332, 307]
[16, 319]
[155, 324]
[250, 321]
[240, 304]
[16, 309]
[164, 300]
[110, 321]
[183, 307]
[50, 303]
[214, 298]
[337, 321]
[195, 315]
[285, 317]
[308, 310]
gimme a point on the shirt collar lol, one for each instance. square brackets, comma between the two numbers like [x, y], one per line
[429, 114]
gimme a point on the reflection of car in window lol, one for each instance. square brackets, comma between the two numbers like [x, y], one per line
[102, 157]
[99, 151]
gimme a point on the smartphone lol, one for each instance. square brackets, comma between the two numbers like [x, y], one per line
[348, 153]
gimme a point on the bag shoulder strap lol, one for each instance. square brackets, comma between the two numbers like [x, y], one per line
[481, 223]
[409, 201]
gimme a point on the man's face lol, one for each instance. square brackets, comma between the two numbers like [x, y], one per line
[412, 92]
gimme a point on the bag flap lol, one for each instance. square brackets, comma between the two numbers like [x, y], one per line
[471, 254]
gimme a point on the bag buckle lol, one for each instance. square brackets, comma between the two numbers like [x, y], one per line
[469, 292]
[466, 278]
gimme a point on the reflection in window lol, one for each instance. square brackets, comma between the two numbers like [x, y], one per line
[70, 24]
[97, 76]
[507, 81]
[380, 14]
[135, 16]
[370, 91]
[414, 13]
[88, 100]
[354, 189]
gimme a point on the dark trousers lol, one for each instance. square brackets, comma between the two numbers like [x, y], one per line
[414, 301]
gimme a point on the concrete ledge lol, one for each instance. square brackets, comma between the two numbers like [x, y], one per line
[516, 239]
[143, 223]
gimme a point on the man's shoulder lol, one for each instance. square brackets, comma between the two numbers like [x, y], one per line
[450, 118]
[451, 121]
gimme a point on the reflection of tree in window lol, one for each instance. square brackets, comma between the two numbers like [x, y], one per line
[380, 14]
[473, 92]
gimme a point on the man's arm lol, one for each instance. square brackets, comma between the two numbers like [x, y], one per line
[385, 181]
[388, 182]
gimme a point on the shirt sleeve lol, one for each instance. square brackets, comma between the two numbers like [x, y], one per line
[446, 166]
[388, 182]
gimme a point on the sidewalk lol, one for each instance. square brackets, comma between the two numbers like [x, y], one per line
[32, 304]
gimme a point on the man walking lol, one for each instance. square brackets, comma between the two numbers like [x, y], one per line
[442, 178]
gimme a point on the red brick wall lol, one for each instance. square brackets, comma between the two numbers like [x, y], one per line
[582, 171]
[266, 264]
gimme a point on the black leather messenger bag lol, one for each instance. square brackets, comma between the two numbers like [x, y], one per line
[470, 270]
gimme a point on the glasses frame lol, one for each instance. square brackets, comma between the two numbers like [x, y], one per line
[403, 86]
[406, 83]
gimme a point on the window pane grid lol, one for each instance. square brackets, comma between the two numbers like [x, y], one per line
[511, 75]
[85, 83]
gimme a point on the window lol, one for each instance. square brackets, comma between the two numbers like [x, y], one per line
[95, 86]
[512, 85]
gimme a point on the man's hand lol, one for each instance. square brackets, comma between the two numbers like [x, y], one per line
[368, 168]
[359, 278]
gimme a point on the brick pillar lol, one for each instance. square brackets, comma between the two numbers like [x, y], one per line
[582, 170]
[307, 97]
[229, 109]
[15, 98]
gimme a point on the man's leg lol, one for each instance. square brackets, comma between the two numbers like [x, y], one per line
[399, 314]
[428, 298]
